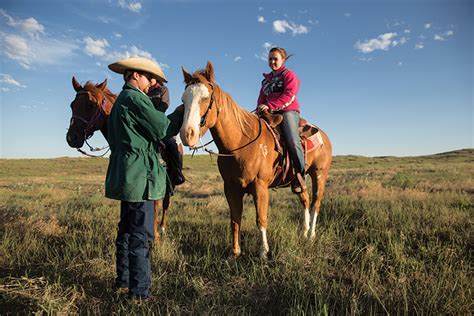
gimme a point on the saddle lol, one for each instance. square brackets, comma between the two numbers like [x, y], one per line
[311, 140]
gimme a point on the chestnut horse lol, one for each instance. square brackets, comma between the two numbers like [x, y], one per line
[90, 111]
[247, 157]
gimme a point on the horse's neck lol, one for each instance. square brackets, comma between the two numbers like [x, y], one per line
[234, 127]
[109, 105]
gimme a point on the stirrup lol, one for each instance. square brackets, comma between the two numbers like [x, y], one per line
[298, 185]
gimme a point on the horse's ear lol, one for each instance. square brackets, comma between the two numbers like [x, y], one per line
[209, 72]
[77, 86]
[187, 76]
[103, 85]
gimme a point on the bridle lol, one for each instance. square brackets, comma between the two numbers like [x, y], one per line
[89, 129]
[211, 102]
[203, 123]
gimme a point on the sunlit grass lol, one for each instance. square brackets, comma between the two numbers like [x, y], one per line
[394, 236]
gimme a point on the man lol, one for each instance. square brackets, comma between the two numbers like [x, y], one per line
[160, 97]
[136, 174]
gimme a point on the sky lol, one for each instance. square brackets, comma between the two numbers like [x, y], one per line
[381, 78]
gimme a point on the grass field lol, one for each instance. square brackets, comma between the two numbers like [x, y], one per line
[395, 235]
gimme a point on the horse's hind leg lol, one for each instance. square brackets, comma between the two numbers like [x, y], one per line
[155, 224]
[166, 205]
[318, 178]
[304, 198]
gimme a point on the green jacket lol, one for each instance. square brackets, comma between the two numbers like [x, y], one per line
[136, 171]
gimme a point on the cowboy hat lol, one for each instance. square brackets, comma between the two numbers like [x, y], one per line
[140, 64]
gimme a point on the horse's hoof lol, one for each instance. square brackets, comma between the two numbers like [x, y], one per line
[305, 234]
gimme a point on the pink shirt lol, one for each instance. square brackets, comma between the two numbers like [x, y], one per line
[279, 91]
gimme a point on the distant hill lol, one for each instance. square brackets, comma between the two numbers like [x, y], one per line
[467, 152]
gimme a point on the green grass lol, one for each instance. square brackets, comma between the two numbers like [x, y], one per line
[394, 236]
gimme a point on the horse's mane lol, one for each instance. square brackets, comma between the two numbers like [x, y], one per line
[242, 116]
[92, 87]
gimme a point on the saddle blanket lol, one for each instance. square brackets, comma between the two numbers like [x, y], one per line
[311, 138]
[314, 142]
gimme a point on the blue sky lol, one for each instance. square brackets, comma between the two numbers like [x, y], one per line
[380, 77]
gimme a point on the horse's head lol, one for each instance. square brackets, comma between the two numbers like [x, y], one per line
[200, 108]
[89, 111]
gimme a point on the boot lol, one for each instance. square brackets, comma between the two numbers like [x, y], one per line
[298, 185]
[272, 119]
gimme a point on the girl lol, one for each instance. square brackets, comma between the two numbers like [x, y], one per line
[278, 95]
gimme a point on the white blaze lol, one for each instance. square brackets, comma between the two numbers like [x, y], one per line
[192, 97]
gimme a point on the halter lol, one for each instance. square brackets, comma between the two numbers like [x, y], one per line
[100, 112]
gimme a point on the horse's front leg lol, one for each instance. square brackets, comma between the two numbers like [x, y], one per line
[260, 198]
[234, 196]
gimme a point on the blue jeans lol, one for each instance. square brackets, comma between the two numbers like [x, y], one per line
[289, 127]
[135, 232]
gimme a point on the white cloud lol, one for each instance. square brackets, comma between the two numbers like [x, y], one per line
[403, 40]
[30, 26]
[105, 19]
[17, 49]
[118, 35]
[95, 47]
[347, 14]
[4, 89]
[237, 58]
[382, 42]
[399, 64]
[260, 8]
[261, 19]
[47, 51]
[281, 26]
[8, 80]
[132, 6]
[313, 22]
[407, 31]
[442, 37]
[164, 66]
[366, 59]
[419, 45]
[427, 25]
[264, 55]
[130, 52]
[30, 45]
[135, 7]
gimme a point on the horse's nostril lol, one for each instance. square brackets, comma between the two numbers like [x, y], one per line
[190, 134]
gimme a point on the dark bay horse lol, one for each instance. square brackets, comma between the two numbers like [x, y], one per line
[248, 159]
[90, 112]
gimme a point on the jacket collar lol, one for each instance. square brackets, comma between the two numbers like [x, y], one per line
[129, 86]
[269, 75]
